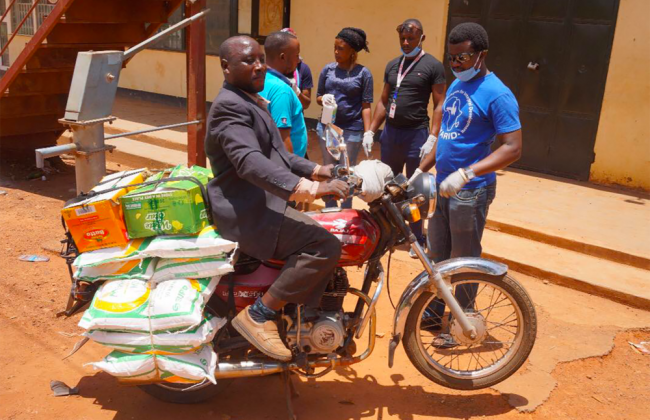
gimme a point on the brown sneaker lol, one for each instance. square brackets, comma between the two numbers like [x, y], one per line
[264, 336]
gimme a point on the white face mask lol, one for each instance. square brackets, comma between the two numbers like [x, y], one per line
[469, 74]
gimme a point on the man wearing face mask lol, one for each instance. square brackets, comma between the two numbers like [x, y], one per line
[478, 108]
[409, 81]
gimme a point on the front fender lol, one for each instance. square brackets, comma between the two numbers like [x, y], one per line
[422, 283]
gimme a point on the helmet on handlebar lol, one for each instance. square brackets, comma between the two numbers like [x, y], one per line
[424, 185]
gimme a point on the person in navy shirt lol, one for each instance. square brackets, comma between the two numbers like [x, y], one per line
[478, 109]
[348, 84]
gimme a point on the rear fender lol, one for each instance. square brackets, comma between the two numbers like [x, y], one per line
[422, 283]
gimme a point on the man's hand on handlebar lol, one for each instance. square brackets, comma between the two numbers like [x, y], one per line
[334, 187]
[325, 172]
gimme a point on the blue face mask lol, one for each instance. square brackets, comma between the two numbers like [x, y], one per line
[469, 74]
[415, 51]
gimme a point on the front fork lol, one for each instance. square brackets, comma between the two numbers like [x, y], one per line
[444, 291]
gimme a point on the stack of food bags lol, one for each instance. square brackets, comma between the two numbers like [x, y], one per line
[150, 307]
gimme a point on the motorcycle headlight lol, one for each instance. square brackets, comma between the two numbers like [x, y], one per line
[424, 185]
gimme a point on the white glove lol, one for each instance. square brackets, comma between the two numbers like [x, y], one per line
[368, 140]
[453, 183]
[415, 174]
[428, 146]
[374, 175]
[328, 99]
[294, 86]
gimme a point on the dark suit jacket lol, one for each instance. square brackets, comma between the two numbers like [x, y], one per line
[254, 175]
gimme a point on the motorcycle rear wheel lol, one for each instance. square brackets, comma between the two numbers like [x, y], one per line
[443, 361]
[178, 393]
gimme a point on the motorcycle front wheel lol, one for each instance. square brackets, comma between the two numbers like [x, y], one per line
[506, 323]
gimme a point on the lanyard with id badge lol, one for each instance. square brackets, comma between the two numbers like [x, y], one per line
[400, 78]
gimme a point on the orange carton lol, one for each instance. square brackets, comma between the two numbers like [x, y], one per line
[97, 222]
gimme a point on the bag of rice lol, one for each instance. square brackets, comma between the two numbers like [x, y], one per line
[191, 268]
[132, 269]
[146, 368]
[135, 305]
[132, 251]
[208, 242]
[163, 342]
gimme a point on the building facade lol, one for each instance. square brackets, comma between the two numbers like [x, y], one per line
[579, 68]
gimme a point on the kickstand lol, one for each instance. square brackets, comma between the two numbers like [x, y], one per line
[290, 393]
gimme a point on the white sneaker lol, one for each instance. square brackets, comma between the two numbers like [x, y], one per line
[412, 254]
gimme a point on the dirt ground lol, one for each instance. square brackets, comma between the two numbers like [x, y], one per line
[581, 368]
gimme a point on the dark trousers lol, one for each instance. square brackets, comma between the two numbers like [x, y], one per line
[401, 147]
[311, 254]
[456, 230]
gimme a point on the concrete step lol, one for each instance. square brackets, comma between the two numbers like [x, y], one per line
[137, 154]
[614, 281]
[170, 139]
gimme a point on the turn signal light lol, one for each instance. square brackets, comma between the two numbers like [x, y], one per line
[411, 212]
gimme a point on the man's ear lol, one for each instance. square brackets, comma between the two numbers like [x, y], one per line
[423, 38]
[224, 66]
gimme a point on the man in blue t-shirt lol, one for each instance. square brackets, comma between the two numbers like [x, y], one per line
[478, 108]
[282, 56]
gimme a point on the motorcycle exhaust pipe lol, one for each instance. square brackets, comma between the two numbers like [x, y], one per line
[247, 368]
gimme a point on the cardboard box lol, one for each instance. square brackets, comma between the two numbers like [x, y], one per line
[168, 208]
[97, 222]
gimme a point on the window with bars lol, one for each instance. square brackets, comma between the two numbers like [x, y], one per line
[18, 13]
[42, 11]
[256, 18]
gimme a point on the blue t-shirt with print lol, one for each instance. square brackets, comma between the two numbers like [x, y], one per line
[473, 114]
[285, 109]
[350, 89]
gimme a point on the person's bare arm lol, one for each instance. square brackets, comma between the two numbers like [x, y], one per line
[365, 115]
[285, 133]
[380, 110]
[438, 95]
[508, 153]
[305, 98]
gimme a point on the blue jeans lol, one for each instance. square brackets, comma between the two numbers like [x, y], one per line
[456, 230]
[352, 140]
[401, 147]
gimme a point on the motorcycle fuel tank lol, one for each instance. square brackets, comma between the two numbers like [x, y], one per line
[357, 231]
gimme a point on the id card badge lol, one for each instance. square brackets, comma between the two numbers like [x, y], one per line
[391, 111]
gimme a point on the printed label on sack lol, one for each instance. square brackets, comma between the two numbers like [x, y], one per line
[133, 206]
[80, 211]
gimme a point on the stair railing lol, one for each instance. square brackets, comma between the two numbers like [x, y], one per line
[22, 22]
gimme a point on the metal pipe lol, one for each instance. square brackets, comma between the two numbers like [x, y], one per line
[149, 130]
[161, 35]
[371, 308]
[48, 152]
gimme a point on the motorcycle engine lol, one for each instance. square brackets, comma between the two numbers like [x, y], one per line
[320, 332]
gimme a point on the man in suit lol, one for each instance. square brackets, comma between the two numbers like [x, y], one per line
[255, 176]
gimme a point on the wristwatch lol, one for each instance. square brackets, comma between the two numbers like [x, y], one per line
[469, 172]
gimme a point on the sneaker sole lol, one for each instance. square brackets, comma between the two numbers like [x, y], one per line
[244, 333]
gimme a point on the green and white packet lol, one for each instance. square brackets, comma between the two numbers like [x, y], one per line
[191, 268]
[135, 305]
[162, 342]
[119, 270]
[142, 368]
[207, 243]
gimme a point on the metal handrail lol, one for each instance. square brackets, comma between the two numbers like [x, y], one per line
[15, 30]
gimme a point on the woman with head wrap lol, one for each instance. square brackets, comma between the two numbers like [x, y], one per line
[348, 84]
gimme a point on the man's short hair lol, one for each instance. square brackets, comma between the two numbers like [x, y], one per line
[409, 25]
[228, 47]
[470, 31]
[276, 42]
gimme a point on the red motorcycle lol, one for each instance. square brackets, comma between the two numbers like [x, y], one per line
[466, 347]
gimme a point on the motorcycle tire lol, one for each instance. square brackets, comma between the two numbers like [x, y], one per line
[449, 378]
[174, 393]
